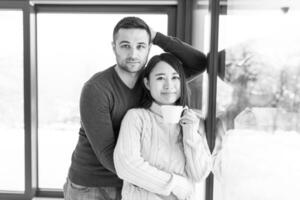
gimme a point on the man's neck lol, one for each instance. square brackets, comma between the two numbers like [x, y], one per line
[129, 79]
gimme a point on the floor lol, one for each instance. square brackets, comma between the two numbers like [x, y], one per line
[43, 198]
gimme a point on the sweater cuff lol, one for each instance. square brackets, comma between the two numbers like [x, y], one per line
[191, 137]
[159, 38]
[181, 186]
[178, 182]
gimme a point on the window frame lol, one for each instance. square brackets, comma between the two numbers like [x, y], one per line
[30, 106]
[179, 16]
[169, 10]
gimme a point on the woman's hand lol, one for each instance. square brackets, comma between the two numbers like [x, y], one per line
[193, 127]
[189, 118]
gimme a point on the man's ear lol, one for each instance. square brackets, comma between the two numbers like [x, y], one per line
[113, 46]
[150, 45]
[146, 83]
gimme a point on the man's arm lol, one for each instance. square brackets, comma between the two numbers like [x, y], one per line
[194, 61]
[96, 121]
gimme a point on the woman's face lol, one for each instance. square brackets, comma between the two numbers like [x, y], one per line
[163, 84]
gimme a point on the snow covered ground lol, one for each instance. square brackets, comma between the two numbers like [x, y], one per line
[253, 164]
[256, 165]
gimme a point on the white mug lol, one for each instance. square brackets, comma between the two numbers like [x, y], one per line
[171, 113]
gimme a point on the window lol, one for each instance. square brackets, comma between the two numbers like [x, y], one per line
[258, 102]
[71, 48]
[11, 101]
[68, 48]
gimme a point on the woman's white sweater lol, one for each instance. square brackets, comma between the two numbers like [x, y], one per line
[157, 161]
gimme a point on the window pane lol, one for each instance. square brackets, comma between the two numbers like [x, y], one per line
[71, 48]
[200, 36]
[259, 102]
[11, 101]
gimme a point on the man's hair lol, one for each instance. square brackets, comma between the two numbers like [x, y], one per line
[176, 64]
[129, 23]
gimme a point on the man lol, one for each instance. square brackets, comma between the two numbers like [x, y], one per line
[106, 97]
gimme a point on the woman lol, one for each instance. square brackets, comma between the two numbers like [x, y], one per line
[158, 160]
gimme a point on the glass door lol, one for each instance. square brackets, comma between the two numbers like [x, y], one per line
[258, 102]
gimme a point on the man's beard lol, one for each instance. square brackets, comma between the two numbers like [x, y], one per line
[129, 69]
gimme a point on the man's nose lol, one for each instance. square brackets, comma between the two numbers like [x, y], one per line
[133, 52]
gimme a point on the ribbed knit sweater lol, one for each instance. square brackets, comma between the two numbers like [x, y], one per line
[150, 152]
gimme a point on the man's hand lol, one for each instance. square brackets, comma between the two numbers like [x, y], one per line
[153, 34]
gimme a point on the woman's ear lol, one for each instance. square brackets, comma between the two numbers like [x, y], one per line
[146, 83]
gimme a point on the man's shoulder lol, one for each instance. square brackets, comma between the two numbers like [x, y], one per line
[100, 84]
[101, 78]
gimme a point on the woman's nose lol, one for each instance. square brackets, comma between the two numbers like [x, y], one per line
[168, 84]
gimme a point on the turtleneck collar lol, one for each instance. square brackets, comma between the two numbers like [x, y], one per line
[156, 108]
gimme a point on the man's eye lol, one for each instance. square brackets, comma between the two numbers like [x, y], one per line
[141, 47]
[126, 46]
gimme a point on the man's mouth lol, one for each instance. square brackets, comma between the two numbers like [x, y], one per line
[133, 62]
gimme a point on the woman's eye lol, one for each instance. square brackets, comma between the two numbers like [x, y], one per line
[160, 78]
[176, 78]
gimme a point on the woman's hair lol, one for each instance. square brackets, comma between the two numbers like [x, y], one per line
[176, 64]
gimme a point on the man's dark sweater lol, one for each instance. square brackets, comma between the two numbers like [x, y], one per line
[104, 101]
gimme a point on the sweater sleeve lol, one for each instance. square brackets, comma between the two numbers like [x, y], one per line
[131, 166]
[95, 119]
[194, 61]
[198, 156]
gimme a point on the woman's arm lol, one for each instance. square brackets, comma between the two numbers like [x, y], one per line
[198, 157]
[131, 166]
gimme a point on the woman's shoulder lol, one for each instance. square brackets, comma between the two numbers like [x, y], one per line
[137, 116]
[137, 112]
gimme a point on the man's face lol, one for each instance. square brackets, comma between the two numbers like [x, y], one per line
[131, 47]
